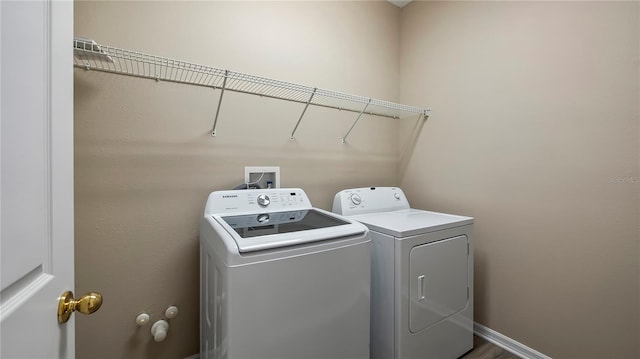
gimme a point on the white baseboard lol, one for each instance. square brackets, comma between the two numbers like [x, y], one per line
[507, 343]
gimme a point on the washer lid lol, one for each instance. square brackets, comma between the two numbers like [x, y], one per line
[259, 231]
[410, 222]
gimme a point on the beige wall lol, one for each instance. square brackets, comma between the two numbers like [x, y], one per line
[145, 161]
[534, 132]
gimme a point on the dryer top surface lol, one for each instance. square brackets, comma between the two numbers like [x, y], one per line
[410, 222]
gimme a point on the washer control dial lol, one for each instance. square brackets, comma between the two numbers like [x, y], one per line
[263, 218]
[355, 199]
[263, 200]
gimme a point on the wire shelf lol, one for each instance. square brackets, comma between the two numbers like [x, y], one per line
[92, 56]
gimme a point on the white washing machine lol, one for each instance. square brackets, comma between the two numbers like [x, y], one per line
[422, 275]
[282, 280]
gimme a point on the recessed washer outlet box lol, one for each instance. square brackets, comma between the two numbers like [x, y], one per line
[262, 177]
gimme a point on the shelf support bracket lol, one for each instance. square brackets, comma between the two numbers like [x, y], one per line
[224, 85]
[306, 106]
[344, 139]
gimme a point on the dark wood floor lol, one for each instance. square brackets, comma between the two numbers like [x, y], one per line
[482, 349]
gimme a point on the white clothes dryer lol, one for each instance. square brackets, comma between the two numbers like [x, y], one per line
[421, 275]
[282, 280]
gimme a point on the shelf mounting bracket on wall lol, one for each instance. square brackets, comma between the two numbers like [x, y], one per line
[306, 106]
[344, 139]
[224, 85]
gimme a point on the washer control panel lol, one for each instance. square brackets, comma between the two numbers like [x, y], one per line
[257, 200]
[369, 199]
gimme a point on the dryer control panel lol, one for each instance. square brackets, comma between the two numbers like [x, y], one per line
[354, 201]
[257, 201]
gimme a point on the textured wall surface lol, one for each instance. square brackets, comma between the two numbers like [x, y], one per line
[145, 161]
[534, 132]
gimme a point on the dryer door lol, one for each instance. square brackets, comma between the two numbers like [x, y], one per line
[438, 285]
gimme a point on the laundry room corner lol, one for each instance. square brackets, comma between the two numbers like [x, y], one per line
[145, 159]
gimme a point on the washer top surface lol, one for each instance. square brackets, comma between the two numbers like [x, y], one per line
[255, 232]
[271, 218]
[410, 222]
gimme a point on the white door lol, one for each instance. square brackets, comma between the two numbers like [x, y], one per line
[36, 178]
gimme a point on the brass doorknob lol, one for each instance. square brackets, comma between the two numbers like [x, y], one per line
[86, 304]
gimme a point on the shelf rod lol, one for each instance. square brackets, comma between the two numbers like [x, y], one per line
[344, 139]
[292, 138]
[224, 85]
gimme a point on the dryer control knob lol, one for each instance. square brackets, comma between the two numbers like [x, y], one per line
[263, 200]
[396, 195]
[355, 199]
